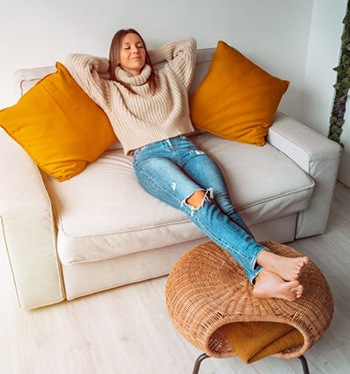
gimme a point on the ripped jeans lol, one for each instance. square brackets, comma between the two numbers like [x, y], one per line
[172, 170]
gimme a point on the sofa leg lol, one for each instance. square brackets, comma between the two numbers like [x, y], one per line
[198, 363]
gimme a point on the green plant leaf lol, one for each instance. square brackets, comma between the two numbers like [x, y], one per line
[342, 85]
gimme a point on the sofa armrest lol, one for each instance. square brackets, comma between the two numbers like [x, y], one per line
[28, 228]
[316, 155]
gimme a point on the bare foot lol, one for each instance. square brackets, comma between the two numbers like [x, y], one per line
[270, 285]
[288, 268]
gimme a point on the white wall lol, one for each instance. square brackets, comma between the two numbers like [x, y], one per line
[344, 172]
[323, 56]
[272, 32]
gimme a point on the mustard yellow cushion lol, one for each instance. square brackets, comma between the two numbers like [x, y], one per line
[237, 100]
[58, 125]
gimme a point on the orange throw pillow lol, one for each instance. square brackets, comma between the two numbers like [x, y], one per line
[237, 100]
[59, 125]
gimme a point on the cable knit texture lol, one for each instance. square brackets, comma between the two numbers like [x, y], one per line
[141, 118]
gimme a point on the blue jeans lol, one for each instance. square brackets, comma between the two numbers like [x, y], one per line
[172, 170]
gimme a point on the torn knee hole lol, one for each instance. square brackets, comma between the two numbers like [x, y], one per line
[196, 199]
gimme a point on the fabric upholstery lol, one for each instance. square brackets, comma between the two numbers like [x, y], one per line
[95, 223]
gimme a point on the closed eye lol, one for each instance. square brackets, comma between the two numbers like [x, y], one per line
[128, 46]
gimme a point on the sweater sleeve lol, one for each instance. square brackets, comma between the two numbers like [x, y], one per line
[180, 56]
[86, 71]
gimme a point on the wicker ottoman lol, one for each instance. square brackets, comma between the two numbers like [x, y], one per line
[211, 304]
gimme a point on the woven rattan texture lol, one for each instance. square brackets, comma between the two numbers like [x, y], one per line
[206, 289]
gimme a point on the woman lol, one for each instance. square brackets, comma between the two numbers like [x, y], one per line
[149, 112]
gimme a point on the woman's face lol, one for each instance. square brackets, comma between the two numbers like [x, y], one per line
[132, 54]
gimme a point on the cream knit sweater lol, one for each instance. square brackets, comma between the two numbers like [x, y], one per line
[142, 118]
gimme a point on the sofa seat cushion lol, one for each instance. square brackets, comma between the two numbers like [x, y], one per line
[104, 213]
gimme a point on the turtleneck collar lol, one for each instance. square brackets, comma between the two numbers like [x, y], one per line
[133, 80]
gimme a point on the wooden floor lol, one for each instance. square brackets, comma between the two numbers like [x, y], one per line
[128, 331]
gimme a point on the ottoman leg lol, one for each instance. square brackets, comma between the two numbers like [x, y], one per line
[203, 356]
[198, 362]
[305, 365]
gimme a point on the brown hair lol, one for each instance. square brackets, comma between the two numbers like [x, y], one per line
[114, 55]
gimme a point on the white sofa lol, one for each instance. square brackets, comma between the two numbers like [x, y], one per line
[100, 230]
